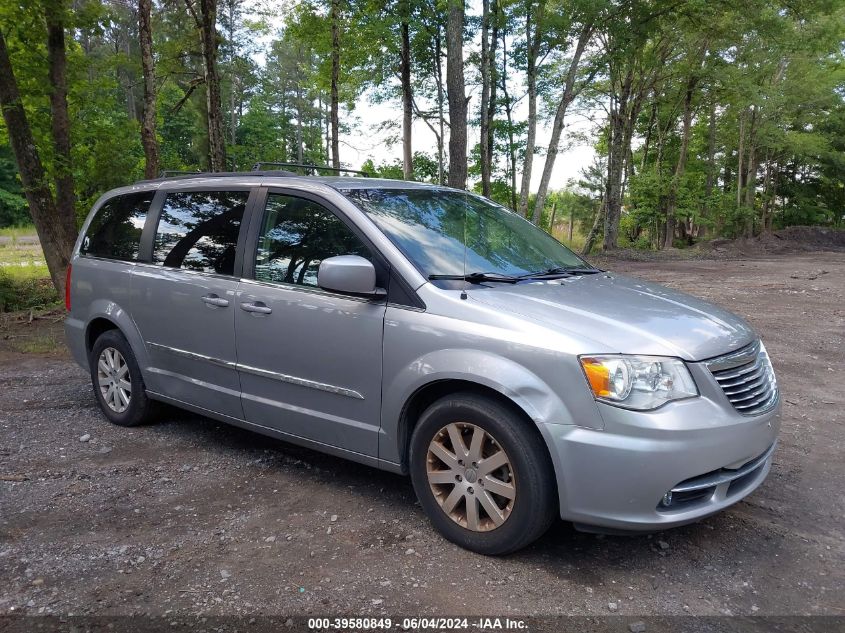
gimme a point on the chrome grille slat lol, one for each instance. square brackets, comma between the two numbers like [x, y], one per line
[757, 400]
[741, 389]
[733, 382]
[747, 379]
[754, 395]
[737, 373]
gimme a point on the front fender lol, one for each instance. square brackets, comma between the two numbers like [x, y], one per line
[524, 388]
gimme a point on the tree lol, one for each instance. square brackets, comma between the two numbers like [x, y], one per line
[148, 118]
[570, 92]
[456, 91]
[54, 14]
[55, 224]
[407, 92]
[335, 123]
[206, 22]
[535, 13]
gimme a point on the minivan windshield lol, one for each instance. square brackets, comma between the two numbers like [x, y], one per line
[433, 226]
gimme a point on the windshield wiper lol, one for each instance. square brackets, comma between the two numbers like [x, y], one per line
[478, 277]
[560, 271]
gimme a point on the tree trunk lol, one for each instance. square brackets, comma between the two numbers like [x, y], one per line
[148, 119]
[615, 162]
[60, 118]
[335, 122]
[557, 127]
[491, 102]
[593, 235]
[711, 162]
[509, 116]
[532, 45]
[739, 160]
[233, 101]
[299, 148]
[407, 97]
[485, 99]
[56, 229]
[207, 25]
[648, 132]
[680, 166]
[456, 93]
[438, 75]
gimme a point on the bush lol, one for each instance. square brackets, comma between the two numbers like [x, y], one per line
[26, 293]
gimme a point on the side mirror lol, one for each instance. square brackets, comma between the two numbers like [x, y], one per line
[349, 274]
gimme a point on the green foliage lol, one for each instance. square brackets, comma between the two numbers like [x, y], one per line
[762, 75]
[425, 168]
[24, 292]
[13, 207]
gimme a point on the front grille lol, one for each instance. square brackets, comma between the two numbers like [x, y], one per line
[747, 378]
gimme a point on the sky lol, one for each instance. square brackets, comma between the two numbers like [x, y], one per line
[367, 137]
[366, 140]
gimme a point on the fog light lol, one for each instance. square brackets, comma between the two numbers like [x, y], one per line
[667, 499]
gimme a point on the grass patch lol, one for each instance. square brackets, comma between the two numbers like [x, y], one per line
[26, 291]
[38, 344]
[14, 232]
[24, 279]
[561, 234]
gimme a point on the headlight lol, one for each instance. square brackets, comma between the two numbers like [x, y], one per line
[638, 382]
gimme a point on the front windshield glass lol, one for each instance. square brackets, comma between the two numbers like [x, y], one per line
[431, 227]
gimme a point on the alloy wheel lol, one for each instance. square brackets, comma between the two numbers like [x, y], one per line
[471, 476]
[114, 379]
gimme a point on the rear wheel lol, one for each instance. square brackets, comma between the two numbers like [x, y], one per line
[482, 475]
[117, 381]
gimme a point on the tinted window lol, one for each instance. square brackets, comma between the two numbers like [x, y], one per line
[115, 231]
[296, 236]
[444, 232]
[199, 230]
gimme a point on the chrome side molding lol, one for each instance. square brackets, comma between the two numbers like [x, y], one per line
[264, 373]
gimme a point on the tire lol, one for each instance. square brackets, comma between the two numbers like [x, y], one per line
[114, 350]
[523, 489]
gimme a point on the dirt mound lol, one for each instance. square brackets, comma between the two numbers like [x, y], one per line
[793, 239]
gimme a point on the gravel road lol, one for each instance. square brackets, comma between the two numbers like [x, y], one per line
[192, 516]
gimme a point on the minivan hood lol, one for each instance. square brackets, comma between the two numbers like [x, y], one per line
[624, 315]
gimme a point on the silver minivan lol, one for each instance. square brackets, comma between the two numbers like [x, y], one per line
[425, 331]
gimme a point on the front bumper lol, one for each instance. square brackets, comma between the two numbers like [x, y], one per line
[709, 455]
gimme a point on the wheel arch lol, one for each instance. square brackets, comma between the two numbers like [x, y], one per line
[96, 328]
[431, 392]
[105, 316]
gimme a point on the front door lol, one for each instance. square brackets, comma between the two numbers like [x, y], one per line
[184, 301]
[309, 360]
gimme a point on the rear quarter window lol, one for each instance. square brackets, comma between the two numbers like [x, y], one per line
[115, 230]
[199, 230]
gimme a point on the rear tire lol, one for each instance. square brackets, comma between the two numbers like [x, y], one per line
[482, 474]
[118, 384]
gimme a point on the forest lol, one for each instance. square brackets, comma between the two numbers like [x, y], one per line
[707, 118]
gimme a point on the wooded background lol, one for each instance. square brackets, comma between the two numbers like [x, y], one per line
[708, 117]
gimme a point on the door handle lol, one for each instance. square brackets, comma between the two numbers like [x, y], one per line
[256, 307]
[214, 300]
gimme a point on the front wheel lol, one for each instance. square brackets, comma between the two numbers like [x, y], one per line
[482, 474]
[117, 381]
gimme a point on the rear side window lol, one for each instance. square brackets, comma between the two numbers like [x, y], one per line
[115, 230]
[198, 230]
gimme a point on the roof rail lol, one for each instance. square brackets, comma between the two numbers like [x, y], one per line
[171, 173]
[310, 168]
[185, 175]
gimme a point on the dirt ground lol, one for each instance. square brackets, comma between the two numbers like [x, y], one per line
[192, 516]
